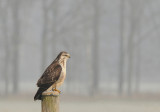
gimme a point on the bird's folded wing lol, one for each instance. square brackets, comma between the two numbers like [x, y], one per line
[50, 76]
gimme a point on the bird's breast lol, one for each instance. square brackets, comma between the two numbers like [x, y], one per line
[61, 78]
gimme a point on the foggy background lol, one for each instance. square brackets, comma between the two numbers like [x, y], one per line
[114, 47]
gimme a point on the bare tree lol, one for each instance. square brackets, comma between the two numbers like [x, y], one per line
[139, 11]
[138, 65]
[54, 25]
[130, 46]
[49, 25]
[134, 18]
[7, 51]
[15, 41]
[44, 34]
[140, 8]
[121, 60]
[95, 47]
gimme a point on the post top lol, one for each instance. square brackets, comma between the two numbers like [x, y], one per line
[50, 93]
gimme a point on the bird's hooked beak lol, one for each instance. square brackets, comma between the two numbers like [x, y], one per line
[68, 56]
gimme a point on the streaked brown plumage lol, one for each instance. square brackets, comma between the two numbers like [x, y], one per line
[53, 76]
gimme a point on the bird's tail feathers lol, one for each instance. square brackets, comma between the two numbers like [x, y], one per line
[38, 95]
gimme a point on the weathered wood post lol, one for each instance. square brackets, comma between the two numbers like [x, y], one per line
[50, 101]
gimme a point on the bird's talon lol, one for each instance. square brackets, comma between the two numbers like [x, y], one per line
[57, 90]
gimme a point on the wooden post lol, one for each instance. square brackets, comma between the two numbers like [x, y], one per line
[50, 101]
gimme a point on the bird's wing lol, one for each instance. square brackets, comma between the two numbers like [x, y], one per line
[50, 76]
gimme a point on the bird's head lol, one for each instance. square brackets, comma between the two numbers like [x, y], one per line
[63, 56]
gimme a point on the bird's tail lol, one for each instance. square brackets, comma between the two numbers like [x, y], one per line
[38, 95]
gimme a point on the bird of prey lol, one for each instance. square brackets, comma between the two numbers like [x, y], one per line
[53, 76]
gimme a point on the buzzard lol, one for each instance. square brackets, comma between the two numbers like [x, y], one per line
[53, 76]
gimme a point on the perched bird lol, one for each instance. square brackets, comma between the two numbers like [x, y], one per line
[53, 76]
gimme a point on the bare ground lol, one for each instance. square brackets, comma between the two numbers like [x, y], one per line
[83, 105]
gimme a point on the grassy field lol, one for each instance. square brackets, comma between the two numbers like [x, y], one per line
[83, 105]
